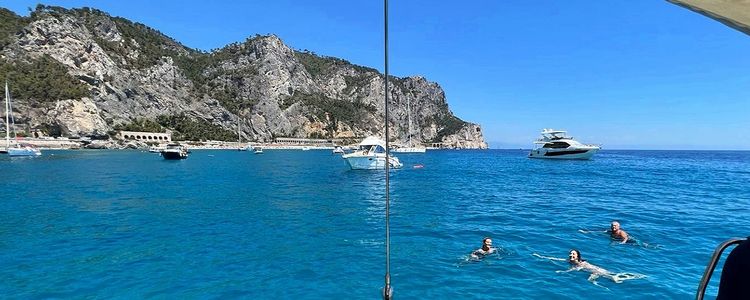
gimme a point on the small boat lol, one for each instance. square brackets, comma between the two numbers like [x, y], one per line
[555, 144]
[174, 151]
[371, 156]
[258, 150]
[305, 148]
[338, 150]
[409, 150]
[24, 150]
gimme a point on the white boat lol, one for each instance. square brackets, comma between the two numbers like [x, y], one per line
[555, 144]
[305, 148]
[258, 150]
[16, 150]
[338, 150]
[409, 148]
[26, 150]
[370, 156]
[174, 151]
[156, 149]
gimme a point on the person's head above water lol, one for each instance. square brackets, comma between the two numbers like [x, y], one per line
[486, 243]
[615, 226]
[574, 257]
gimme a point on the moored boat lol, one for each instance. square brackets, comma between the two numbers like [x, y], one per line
[24, 150]
[371, 156]
[16, 150]
[555, 144]
[174, 151]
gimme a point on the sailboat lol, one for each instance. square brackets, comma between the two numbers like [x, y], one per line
[239, 136]
[17, 150]
[409, 148]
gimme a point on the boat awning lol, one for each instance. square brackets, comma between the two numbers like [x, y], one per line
[372, 141]
[735, 14]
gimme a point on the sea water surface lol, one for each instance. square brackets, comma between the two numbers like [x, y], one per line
[301, 225]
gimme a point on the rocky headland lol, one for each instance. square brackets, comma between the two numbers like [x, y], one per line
[84, 73]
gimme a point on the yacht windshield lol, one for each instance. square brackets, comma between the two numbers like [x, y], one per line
[557, 145]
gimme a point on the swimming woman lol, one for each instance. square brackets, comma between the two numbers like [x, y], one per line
[579, 264]
[485, 250]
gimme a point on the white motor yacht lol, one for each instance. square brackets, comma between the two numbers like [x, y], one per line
[370, 156]
[338, 150]
[258, 150]
[555, 144]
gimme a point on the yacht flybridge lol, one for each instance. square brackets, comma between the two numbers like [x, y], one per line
[555, 144]
[370, 156]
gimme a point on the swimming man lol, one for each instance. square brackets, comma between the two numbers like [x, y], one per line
[615, 232]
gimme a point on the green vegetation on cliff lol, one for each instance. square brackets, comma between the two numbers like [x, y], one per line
[184, 128]
[43, 79]
[447, 125]
[10, 24]
[150, 44]
[345, 111]
[319, 65]
[191, 129]
[142, 125]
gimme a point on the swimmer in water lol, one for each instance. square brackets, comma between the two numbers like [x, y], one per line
[579, 264]
[486, 249]
[616, 233]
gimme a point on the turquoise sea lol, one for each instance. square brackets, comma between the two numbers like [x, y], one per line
[301, 225]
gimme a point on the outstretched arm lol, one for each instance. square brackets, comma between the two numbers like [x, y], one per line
[549, 257]
[587, 231]
[566, 271]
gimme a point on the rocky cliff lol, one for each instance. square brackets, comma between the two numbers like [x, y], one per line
[82, 72]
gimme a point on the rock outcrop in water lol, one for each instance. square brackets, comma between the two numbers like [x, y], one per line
[103, 73]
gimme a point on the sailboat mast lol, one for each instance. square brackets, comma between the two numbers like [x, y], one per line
[408, 114]
[7, 118]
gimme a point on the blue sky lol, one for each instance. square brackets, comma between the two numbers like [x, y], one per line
[626, 74]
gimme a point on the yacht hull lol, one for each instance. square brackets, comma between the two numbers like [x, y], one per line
[370, 162]
[580, 154]
[23, 152]
[174, 155]
[409, 150]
